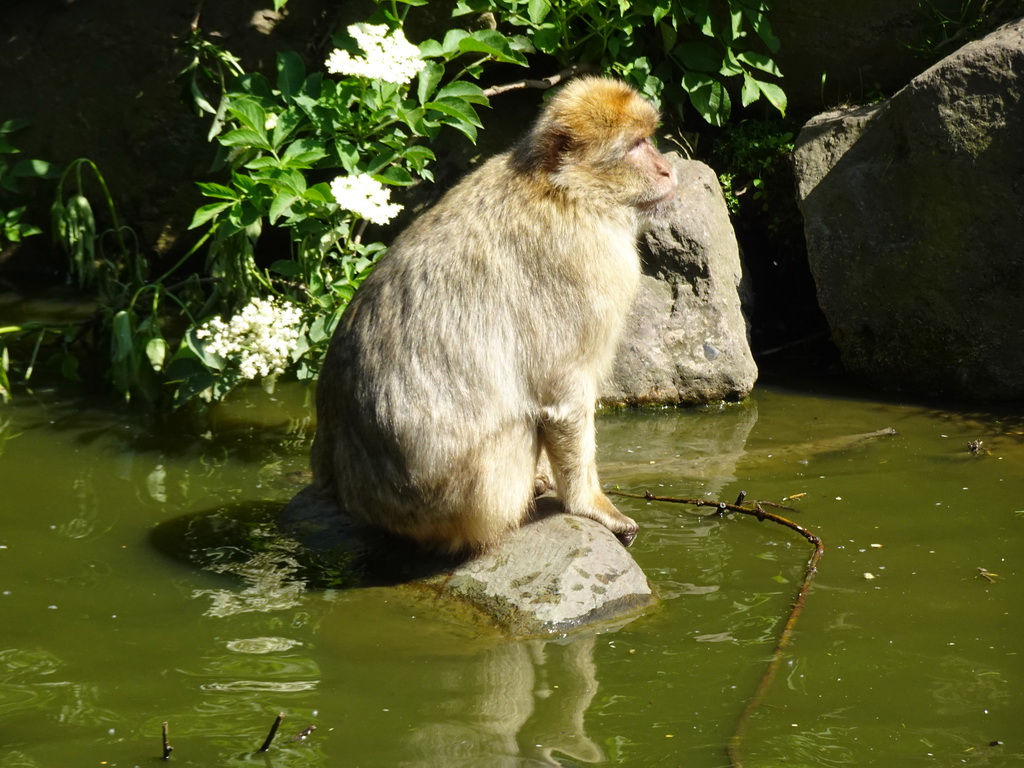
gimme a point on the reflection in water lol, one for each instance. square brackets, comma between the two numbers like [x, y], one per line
[269, 578]
[703, 445]
[261, 644]
[517, 704]
[509, 703]
[821, 747]
[962, 686]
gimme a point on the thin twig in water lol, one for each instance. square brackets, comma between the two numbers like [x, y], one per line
[757, 510]
[167, 744]
[305, 732]
[273, 732]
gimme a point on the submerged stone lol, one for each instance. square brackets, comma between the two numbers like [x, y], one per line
[556, 573]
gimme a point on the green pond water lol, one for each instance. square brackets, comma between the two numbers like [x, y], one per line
[906, 654]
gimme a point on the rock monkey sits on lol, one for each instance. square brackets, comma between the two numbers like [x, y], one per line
[478, 342]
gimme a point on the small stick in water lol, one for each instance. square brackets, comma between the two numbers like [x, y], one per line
[304, 733]
[273, 732]
[167, 744]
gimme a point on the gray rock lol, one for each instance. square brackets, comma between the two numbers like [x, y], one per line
[556, 573]
[914, 216]
[686, 338]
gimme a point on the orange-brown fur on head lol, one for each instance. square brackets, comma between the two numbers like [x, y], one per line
[581, 139]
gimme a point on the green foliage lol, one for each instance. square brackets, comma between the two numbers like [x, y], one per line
[282, 139]
[305, 159]
[13, 227]
[671, 50]
[757, 153]
[950, 24]
[283, 142]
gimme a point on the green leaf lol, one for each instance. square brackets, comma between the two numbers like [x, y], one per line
[122, 336]
[319, 193]
[462, 7]
[708, 97]
[35, 169]
[281, 204]
[286, 268]
[492, 43]
[303, 153]
[287, 122]
[427, 81]
[211, 189]
[759, 21]
[759, 61]
[206, 213]
[250, 114]
[291, 73]
[431, 49]
[537, 10]
[548, 39]
[775, 95]
[156, 352]
[451, 45]
[735, 23]
[669, 36]
[245, 137]
[69, 366]
[456, 108]
[261, 162]
[698, 55]
[12, 125]
[207, 358]
[199, 98]
[460, 89]
[750, 92]
[396, 175]
[417, 156]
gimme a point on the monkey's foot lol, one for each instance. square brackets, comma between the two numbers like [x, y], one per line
[626, 537]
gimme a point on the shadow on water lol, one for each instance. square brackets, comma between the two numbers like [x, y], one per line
[277, 549]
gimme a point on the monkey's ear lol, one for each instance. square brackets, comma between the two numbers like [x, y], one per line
[543, 149]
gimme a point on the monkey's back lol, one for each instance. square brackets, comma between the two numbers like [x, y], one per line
[433, 387]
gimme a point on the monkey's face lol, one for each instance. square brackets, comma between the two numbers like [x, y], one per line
[654, 177]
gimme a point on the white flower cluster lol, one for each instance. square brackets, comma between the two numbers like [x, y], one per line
[389, 57]
[261, 337]
[366, 197]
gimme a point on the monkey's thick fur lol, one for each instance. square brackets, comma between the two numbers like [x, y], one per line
[480, 338]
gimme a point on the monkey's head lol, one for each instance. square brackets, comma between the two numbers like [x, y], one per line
[593, 142]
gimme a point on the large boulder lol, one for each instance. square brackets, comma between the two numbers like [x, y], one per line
[914, 216]
[686, 337]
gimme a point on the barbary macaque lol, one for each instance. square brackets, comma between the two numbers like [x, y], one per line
[477, 344]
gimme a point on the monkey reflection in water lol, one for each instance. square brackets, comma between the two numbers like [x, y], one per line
[477, 344]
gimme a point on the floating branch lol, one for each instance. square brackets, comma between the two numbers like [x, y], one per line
[273, 732]
[758, 511]
[167, 744]
[307, 731]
